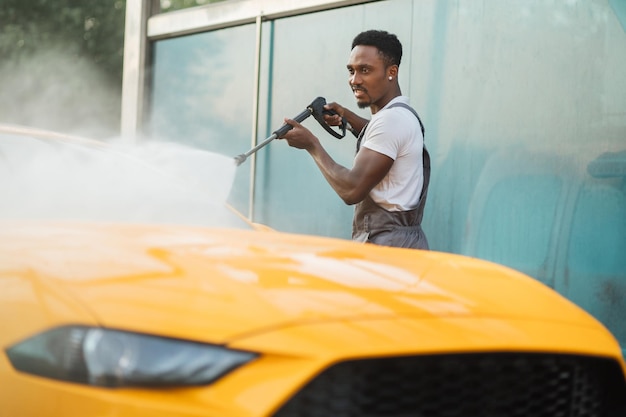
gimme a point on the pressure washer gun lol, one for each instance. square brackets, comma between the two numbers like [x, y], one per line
[317, 110]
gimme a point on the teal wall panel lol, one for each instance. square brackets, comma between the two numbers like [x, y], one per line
[524, 101]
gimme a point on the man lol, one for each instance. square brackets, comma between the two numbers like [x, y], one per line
[391, 167]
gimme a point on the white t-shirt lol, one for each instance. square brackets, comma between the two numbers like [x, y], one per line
[396, 133]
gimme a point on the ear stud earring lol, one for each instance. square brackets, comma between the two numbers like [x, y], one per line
[390, 78]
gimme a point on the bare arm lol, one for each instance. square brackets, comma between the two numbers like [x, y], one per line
[351, 185]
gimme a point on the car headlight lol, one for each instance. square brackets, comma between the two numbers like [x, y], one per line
[113, 358]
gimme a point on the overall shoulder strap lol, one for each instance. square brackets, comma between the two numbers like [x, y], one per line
[412, 110]
[425, 163]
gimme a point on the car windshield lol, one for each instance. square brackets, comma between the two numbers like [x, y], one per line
[50, 176]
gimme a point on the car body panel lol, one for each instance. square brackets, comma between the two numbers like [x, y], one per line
[184, 283]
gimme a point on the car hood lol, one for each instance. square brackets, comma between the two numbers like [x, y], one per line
[218, 285]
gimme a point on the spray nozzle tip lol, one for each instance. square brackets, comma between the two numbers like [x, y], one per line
[239, 159]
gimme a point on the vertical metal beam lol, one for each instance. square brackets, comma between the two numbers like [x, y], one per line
[135, 53]
[255, 113]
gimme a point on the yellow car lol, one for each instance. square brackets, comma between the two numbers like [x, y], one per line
[153, 317]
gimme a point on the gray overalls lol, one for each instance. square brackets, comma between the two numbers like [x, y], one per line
[374, 224]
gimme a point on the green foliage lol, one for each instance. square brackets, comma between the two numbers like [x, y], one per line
[61, 64]
[85, 29]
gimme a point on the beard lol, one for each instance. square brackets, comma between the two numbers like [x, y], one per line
[365, 101]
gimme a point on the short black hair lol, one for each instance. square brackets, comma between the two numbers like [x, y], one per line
[388, 45]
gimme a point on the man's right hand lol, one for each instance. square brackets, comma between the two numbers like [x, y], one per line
[299, 136]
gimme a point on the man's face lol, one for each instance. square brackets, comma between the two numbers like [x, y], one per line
[368, 75]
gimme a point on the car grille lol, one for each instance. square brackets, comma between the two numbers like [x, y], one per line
[465, 385]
